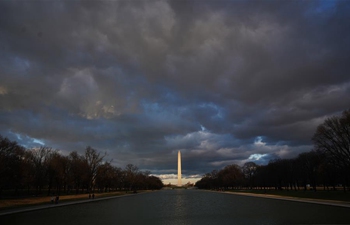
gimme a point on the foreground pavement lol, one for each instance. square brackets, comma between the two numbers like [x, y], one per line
[294, 199]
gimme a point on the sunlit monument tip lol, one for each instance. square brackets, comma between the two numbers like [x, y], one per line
[179, 183]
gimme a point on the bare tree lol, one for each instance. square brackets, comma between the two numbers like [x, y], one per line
[131, 173]
[58, 170]
[333, 138]
[231, 176]
[40, 157]
[309, 163]
[249, 170]
[154, 182]
[11, 155]
[106, 176]
[78, 168]
[42, 167]
[93, 160]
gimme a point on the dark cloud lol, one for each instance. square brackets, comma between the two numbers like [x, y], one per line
[222, 81]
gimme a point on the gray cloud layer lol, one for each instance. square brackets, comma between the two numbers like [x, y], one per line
[222, 81]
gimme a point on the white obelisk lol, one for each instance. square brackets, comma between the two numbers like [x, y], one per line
[179, 183]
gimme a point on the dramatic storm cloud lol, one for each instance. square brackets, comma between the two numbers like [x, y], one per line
[223, 81]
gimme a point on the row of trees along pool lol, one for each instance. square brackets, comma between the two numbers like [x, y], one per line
[40, 171]
[326, 166]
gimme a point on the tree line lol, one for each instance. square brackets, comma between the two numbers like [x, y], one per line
[326, 166]
[44, 170]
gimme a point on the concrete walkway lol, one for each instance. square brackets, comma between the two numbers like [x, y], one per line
[294, 199]
[60, 204]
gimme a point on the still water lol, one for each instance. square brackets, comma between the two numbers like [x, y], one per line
[182, 207]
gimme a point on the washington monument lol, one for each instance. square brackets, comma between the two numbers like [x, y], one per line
[179, 183]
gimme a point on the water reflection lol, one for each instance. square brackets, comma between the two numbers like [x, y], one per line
[185, 207]
[181, 207]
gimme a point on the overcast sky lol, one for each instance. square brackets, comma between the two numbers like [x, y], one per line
[223, 81]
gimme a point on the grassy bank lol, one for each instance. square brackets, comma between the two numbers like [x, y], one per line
[31, 201]
[326, 195]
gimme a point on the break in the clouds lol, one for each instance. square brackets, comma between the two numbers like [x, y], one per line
[223, 81]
